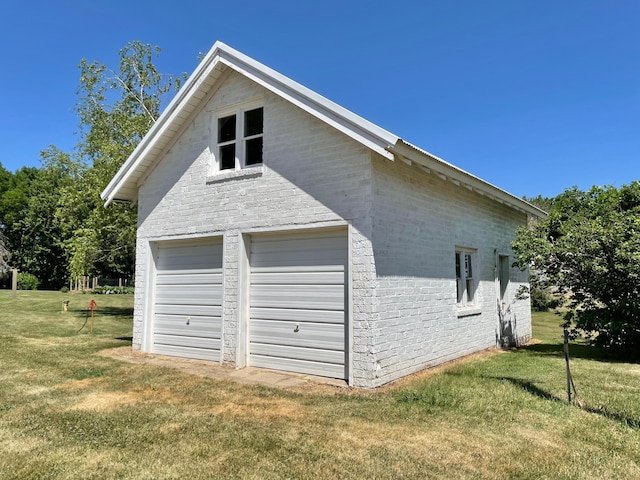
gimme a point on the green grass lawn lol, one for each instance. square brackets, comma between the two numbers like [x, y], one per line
[66, 412]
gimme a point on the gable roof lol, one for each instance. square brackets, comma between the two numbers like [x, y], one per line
[188, 100]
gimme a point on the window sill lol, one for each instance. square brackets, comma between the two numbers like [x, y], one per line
[249, 172]
[468, 311]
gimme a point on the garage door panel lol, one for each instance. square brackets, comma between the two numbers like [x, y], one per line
[189, 294]
[190, 277]
[209, 327]
[190, 255]
[167, 264]
[187, 352]
[199, 310]
[186, 341]
[304, 258]
[311, 335]
[298, 315]
[328, 297]
[299, 366]
[300, 241]
[298, 278]
[297, 353]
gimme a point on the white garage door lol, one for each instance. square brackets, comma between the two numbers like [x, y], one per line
[297, 315]
[188, 299]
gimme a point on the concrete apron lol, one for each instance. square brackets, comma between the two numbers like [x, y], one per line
[247, 375]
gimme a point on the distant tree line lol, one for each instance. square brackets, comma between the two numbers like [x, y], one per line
[53, 223]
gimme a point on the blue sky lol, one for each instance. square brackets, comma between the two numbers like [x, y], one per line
[532, 96]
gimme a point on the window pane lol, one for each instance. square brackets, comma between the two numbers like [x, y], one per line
[469, 290]
[253, 151]
[459, 289]
[467, 265]
[458, 265]
[228, 156]
[227, 129]
[253, 122]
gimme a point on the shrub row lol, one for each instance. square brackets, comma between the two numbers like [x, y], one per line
[107, 290]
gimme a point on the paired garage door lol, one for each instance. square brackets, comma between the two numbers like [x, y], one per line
[297, 303]
[188, 299]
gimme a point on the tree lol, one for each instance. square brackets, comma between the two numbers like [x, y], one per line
[116, 109]
[589, 248]
[545, 203]
[28, 209]
[13, 209]
[5, 181]
[4, 256]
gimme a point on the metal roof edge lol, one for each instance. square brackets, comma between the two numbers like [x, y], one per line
[461, 177]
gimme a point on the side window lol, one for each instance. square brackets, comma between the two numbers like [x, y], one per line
[465, 281]
[239, 139]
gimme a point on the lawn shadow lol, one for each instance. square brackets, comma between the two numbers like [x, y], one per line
[603, 411]
[618, 417]
[124, 312]
[580, 350]
[528, 387]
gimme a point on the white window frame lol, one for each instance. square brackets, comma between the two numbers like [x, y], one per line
[465, 261]
[239, 141]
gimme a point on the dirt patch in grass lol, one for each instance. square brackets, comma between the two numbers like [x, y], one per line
[106, 401]
[259, 408]
[94, 394]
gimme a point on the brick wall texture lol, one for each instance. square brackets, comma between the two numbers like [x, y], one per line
[404, 227]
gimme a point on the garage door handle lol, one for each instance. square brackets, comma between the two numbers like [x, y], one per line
[297, 329]
[188, 320]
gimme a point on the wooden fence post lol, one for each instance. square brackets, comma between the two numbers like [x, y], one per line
[14, 282]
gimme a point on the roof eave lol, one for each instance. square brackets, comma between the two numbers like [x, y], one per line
[447, 171]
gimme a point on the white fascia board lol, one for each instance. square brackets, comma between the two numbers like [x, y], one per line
[458, 176]
[352, 125]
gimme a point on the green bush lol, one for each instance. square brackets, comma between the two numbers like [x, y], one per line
[64, 290]
[107, 290]
[27, 281]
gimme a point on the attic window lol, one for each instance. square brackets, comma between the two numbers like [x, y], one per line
[239, 139]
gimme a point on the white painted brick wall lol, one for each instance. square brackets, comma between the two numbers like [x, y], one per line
[419, 219]
[404, 227]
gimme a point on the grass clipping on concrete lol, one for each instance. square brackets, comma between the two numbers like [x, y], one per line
[67, 412]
